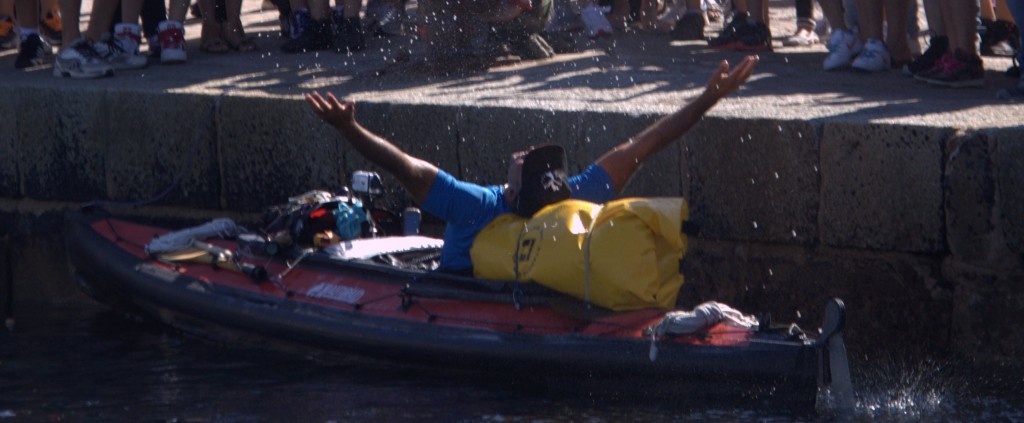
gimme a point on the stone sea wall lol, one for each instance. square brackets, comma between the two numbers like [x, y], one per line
[919, 229]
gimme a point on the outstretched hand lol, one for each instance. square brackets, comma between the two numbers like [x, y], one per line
[337, 113]
[724, 81]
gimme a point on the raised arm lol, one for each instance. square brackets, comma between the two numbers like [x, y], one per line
[622, 161]
[414, 174]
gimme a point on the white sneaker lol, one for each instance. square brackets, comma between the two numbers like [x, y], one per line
[172, 42]
[843, 46]
[121, 52]
[873, 58]
[594, 22]
[80, 60]
[802, 38]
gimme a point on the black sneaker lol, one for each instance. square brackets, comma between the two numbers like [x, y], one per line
[31, 52]
[318, 35]
[937, 46]
[957, 70]
[730, 34]
[999, 38]
[350, 37]
[689, 27]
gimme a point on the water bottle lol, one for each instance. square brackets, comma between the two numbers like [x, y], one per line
[411, 218]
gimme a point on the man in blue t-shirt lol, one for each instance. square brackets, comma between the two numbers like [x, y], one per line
[536, 176]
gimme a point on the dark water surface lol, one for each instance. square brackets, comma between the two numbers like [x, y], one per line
[89, 364]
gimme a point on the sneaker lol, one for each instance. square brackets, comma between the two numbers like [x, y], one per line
[956, 70]
[729, 34]
[80, 60]
[937, 47]
[594, 22]
[172, 42]
[874, 57]
[31, 52]
[689, 27]
[299, 23]
[999, 38]
[746, 36]
[385, 19]
[1014, 93]
[8, 39]
[120, 50]
[51, 28]
[315, 35]
[843, 46]
[349, 36]
[532, 47]
[803, 38]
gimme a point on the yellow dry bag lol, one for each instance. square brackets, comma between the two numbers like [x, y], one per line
[623, 255]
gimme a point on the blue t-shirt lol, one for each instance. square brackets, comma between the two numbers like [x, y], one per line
[467, 208]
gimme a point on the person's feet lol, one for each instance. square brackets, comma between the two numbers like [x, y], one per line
[875, 57]
[234, 36]
[743, 34]
[8, 37]
[32, 51]
[51, 28]
[937, 46]
[171, 36]
[843, 47]
[689, 27]
[81, 61]
[955, 70]
[802, 38]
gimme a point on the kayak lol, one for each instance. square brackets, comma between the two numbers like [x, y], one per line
[365, 299]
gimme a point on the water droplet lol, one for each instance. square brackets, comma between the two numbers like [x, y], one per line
[780, 128]
[793, 232]
[770, 272]
[799, 314]
[755, 224]
[776, 175]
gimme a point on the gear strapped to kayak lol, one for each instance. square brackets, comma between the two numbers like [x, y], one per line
[623, 255]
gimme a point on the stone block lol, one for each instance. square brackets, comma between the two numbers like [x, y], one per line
[987, 309]
[426, 132]
[881, 187]
[754, 180]
[10, 181]
[660, 175]
[62, 143]
[159, 139]
[1009, 162]
[970, 197]
[489, 136]
[272, 149]
[885, 294]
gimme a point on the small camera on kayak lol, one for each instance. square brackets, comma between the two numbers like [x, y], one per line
[367, 183]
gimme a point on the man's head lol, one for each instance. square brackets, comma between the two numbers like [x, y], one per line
[536, 178]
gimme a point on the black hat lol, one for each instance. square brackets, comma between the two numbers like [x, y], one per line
[543, 179]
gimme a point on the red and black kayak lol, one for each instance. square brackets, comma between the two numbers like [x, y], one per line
[320, 301]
